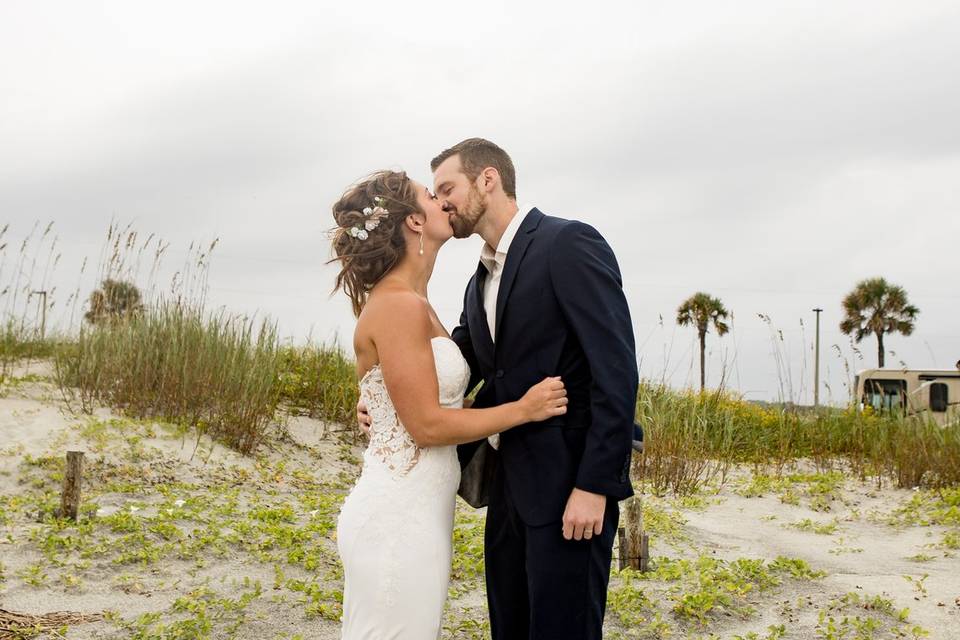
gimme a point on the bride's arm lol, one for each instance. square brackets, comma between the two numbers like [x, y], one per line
[403, 342]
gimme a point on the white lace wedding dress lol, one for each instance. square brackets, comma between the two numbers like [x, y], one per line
[395, 529]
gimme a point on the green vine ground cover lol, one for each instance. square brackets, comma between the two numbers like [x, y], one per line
[183, 541]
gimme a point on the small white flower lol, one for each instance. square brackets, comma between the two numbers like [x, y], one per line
[179, 503]
[314, 512]
[373, 217]
[134, 508]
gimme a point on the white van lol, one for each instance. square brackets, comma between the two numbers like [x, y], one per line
[913, 392]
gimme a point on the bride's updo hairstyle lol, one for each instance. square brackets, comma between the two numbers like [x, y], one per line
[368, 239]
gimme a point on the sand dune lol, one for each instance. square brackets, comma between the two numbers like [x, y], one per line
[182, 537]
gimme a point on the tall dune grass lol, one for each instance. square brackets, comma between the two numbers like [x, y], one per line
[227, 376]
[217, 373]
[320, 381]
[694, 437]
[19, 343]
[25, 272]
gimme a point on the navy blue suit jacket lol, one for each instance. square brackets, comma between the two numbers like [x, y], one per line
[560, 311]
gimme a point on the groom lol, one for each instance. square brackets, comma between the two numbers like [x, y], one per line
[546, 300]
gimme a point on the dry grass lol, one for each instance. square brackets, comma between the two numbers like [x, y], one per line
[173, 362]
[319, 381]
[694, 437]
[17, 626]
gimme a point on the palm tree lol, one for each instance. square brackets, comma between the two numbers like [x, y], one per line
[702, 310]
[115, 299]
[878, 307]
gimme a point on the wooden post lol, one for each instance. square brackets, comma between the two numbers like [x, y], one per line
[43, 312]
[644, 560]
[638, 559]
[634, 543]
[73, 474]
[624, 554]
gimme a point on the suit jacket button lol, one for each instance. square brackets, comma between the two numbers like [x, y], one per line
[499, 373]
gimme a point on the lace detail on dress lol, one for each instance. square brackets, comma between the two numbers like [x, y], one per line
[389, 440]
[390, 443]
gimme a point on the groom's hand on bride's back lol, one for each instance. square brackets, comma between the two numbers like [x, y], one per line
[363, 418]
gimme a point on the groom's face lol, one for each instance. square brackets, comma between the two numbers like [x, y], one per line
[459, 197]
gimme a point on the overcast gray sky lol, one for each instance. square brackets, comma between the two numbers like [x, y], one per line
[769, 153]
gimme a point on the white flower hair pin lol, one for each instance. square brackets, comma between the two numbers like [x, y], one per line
[373, 217]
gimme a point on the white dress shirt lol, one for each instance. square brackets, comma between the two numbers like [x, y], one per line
[494, 261]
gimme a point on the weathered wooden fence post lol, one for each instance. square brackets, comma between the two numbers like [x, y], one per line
[634, 543]
[624, 554]
[72, 476]
[643, 561]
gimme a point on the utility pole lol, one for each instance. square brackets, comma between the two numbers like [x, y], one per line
[43, 312]
[816, 363]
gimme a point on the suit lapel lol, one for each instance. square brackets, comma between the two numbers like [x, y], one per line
[514, 257]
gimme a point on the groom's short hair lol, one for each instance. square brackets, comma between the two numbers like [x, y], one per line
[476, 154]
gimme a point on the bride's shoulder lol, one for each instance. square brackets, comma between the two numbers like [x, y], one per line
[395, 307]
[392, 297]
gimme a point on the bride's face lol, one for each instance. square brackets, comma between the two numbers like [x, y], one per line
[437, 227]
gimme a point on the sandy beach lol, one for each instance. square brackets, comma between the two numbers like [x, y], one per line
[180, 537]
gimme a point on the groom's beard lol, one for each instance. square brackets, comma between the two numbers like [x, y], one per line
[465, 220]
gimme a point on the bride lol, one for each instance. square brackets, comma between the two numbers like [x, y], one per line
[394, 533]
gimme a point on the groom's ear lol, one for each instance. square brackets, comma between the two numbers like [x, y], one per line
[488, 179]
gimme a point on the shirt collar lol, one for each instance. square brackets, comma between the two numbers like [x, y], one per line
[488, 256]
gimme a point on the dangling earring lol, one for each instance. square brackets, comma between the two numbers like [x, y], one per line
[421, 243]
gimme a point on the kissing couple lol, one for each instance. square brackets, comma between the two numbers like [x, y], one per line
[545, 444]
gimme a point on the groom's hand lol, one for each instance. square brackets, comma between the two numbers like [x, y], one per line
[363, 418]
[583, 517]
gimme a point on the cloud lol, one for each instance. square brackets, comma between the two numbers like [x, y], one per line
[770, 153]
